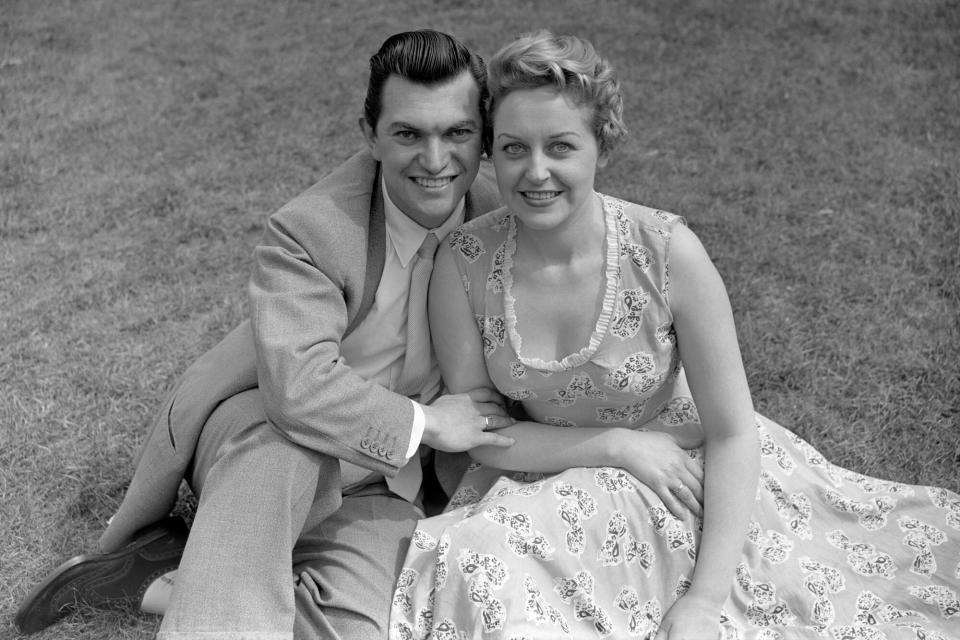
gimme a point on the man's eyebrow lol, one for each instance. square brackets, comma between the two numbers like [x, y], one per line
[400, 124]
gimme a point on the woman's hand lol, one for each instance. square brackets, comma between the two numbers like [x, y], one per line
[690, 618]
[656, 460]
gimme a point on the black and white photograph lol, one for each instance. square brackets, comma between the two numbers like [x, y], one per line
[480, 320]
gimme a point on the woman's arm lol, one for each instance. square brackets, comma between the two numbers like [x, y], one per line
[654, 458]
[453, 328]
[710, 353]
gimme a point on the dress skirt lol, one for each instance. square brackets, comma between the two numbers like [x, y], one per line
[593, 553]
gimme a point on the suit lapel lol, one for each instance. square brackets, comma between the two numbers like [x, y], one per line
[376, 242]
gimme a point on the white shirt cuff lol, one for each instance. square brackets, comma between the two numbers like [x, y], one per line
[416, 433]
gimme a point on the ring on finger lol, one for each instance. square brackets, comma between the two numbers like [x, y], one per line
[486, 422]
[678, 489]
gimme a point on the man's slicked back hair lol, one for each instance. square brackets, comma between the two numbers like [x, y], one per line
[425, 57]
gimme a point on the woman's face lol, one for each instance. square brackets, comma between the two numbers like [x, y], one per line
[546, 157]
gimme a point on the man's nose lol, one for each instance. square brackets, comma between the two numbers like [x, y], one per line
[435, 155]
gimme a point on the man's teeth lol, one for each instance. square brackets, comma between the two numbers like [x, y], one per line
[433, 182]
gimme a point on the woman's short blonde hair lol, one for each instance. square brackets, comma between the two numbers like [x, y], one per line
[573, 67]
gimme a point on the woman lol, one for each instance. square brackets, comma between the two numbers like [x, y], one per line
[586, 307]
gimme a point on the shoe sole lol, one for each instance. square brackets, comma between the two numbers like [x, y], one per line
[68, 577]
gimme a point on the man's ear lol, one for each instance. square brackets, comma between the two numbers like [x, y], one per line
[370, 136]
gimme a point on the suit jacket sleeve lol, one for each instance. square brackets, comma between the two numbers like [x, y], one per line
[306, 286]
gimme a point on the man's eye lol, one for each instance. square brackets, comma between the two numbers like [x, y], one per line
[405, 135]
[461, 133]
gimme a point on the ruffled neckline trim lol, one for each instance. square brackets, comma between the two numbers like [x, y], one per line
[577, 358]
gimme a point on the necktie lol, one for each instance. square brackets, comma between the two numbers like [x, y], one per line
[416, 363]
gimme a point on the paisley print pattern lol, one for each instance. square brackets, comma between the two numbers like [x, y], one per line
[593, 553]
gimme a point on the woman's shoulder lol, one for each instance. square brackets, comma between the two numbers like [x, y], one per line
[645, 235]
[487, 227]
[475, 238]
[640, 215]
[496, 220]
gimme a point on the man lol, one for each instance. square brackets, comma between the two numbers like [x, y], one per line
[302, 459]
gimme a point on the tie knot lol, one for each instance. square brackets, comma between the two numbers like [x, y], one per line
[429, 246]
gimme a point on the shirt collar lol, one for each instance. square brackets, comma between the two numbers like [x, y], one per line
[406, 235]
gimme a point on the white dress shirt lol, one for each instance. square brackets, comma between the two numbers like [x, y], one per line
[375, 349]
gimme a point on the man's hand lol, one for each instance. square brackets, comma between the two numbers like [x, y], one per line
[463, 421]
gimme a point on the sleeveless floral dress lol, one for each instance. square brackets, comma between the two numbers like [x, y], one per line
[593, 553]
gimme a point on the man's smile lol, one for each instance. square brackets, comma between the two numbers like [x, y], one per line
[434, 183]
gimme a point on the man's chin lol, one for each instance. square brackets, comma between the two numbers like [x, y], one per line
[431, 205]
[431, 218]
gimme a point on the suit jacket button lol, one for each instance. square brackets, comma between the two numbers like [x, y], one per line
[374, 446]
[390, 455]
[365, 443]
[382, 451]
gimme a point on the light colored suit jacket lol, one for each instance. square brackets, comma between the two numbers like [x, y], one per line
[317, 271]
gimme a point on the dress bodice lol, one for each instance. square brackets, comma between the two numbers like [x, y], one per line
[629, 372]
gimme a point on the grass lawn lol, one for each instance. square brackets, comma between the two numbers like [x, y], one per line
[814, 146]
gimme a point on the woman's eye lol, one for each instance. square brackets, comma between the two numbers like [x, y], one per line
[513, 147]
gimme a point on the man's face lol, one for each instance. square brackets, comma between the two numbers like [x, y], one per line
[428, 140]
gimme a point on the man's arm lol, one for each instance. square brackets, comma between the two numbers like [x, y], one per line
[309, 268]
[311, 259]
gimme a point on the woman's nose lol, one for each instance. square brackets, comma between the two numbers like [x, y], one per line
[538, 169]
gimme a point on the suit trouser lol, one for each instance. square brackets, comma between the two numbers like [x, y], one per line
[266, 505]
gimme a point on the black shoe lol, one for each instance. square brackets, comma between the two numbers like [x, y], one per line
[105, 581]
